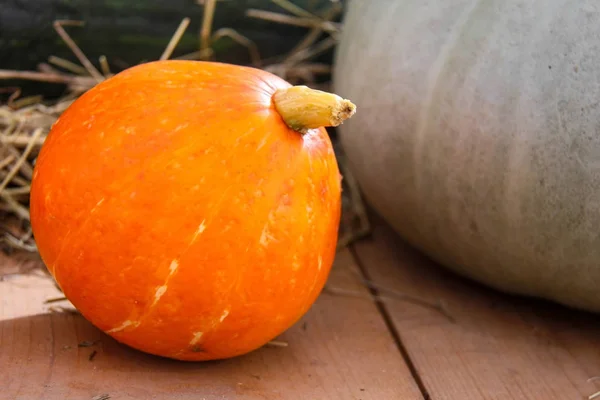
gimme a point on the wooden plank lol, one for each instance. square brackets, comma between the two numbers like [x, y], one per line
[341, 349]
[498, 346]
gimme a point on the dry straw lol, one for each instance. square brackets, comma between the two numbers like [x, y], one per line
[25, 121]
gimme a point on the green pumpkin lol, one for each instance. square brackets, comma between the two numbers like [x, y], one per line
[477, 135]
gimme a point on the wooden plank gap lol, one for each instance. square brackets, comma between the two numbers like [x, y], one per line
[498, 346]
[382, 308]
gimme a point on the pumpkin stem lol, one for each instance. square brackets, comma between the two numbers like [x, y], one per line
[303, 108]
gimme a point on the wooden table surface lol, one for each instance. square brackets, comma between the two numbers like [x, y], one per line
[355, 343]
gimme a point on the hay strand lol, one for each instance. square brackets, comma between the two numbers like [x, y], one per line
[206, 29]
[242, 40]
[294, 9]
[36, 134]
[68, 65]
[58, 27]
[104, 66]
[40, 76]
[175, 39]
[285, 19]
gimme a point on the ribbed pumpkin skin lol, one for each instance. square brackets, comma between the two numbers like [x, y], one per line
[180, 214]
[478, 138]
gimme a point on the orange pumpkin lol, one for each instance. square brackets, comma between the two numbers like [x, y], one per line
[190, 209]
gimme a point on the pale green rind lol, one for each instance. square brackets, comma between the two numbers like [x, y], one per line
[478, 136]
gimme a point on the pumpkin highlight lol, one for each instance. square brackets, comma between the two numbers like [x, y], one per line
[180, 213]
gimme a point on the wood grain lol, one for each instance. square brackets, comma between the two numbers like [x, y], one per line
[498, 346]
[342, 349]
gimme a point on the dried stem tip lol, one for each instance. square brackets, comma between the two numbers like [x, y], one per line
[303, 108]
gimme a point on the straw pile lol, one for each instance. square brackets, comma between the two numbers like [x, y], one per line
[25, 121]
